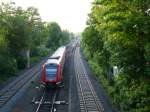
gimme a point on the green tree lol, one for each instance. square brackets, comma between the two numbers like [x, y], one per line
[54, 35]
[65, 37]
[124, 30]
[24, 38]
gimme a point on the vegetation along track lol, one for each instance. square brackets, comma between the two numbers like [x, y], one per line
[8, 92]
[89, 101]
[47, 101]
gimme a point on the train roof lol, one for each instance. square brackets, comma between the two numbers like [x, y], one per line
[56, 57]
[59, 52]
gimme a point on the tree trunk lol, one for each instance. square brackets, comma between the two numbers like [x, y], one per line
[28, 58]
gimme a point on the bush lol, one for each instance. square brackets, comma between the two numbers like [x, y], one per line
[40, 51]
[34, 59]
[128, 94]
[21, 62]
[8, 67]
[133, 96]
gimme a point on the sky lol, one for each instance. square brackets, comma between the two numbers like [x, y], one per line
[69, 14]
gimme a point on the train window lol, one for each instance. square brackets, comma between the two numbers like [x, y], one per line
[51, 71]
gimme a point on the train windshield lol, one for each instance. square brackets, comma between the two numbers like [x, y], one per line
[51, 71]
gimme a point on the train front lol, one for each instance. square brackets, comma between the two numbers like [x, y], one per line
[51, 74]
[52, 69]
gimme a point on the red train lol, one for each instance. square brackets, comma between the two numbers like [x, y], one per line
[53, 68]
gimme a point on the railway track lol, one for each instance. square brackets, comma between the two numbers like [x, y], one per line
[89, 101]
[47, 101]
[7, 93]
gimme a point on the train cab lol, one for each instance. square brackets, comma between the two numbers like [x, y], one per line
[53, 68]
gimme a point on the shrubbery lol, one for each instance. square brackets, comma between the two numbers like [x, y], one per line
[118, 35]
[8, 65]
[43, 51]
[23, 37]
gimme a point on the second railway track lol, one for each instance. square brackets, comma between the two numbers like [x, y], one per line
[89, 101]
[7, 93]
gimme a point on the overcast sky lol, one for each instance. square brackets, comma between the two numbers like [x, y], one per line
[69, 14]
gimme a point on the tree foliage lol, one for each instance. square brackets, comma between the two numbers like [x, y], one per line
[24, 38]
[54, 35]
[120, 33]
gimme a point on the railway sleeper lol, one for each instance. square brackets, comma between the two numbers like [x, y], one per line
[56, 102]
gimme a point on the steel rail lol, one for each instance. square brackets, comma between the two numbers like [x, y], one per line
[91, 88]
[40, 102]
[7, 93]
[46, 104]
[87, 94]
[53, 102]
[82, 93]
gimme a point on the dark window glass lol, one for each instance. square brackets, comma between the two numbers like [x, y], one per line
[51, 71]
